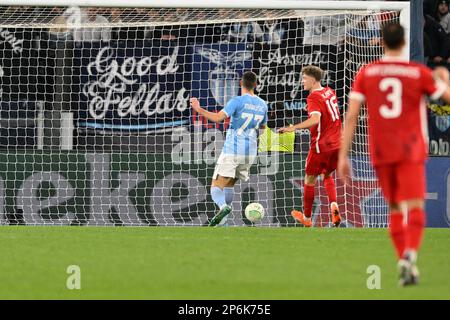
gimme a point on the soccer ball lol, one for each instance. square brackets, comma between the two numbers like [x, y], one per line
[254, 212]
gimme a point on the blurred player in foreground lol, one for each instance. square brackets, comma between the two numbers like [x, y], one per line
[393, 91]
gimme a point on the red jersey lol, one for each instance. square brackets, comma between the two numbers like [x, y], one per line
[394, 91]
[326, 136]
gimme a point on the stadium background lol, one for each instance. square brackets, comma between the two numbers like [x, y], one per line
[109, 174]
[42, 70]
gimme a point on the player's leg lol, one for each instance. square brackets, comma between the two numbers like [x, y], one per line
[229, 193]
[312, 170]
[387, 179]
[305, 217]
[220, 193]
[415, 226]
[309, 192]
[412, 193]
[242, 173]
[413, 239]
[330, 187]
[223, 179]
[397, 230]
[396, 186]
[220, 188]
[228, 171]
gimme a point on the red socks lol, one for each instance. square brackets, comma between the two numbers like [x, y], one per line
[415, 228]
[308, 200]
[407, 236]
[331, 189]
[398, 232]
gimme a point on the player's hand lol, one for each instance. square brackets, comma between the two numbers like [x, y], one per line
[195, 104]
[343, 169]
[442, 74]
[286, 129]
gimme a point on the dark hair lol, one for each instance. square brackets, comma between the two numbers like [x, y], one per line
[249, 80]
[393, 35]
[314, 72]
[436, 14]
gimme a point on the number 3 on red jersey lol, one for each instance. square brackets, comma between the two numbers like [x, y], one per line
[395, 98]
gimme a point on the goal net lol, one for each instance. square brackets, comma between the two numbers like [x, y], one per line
[96, 127]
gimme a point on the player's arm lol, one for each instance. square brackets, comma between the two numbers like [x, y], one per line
[446, 95]
[442, 74]
[312, 121]
[211, 116]
[351, 120]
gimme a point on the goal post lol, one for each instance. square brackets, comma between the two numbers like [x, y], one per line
[96, 127]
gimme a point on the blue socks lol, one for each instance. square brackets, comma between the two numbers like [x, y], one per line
[229, 195]
[222, 197]
[218, 196]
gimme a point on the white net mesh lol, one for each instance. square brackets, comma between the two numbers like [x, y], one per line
[96, 127]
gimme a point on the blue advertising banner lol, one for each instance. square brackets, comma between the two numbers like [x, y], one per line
[438, 192]
[439, 133]
[131, 85]
[372, 209]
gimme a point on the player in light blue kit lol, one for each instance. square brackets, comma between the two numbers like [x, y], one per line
[248, 113]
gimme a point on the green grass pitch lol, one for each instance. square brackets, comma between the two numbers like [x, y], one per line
[213, 263]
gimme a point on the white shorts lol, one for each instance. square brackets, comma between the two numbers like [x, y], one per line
[237, 167]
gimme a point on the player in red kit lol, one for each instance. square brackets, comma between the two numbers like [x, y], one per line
[324, 123]
[394, 91]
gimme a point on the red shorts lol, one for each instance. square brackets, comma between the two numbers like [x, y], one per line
[324, 162]
[402, 181]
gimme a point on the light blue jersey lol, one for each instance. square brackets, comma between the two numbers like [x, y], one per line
[248, 113]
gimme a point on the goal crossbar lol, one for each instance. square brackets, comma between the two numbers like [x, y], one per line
[249, 4]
